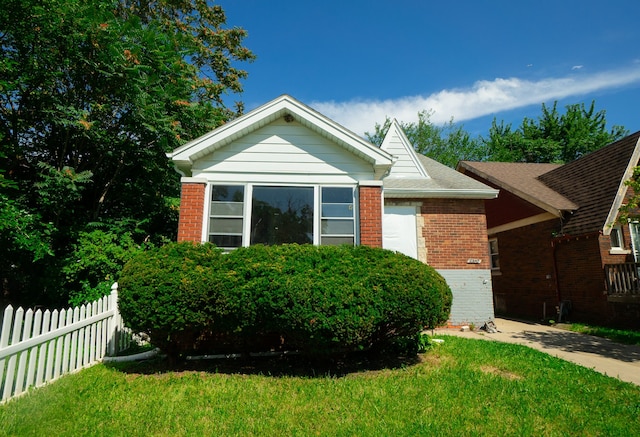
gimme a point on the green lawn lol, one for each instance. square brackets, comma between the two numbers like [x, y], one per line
[620, 335]
[461, 387]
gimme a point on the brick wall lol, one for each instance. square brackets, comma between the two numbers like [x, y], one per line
[455, 232]
[616, 258]
[525, 280]
[581, 278]
[191, 212]
[370, 216]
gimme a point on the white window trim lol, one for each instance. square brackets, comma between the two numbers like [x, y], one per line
[618, 250]
[248, 205]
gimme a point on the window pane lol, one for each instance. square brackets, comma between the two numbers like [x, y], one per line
[334, 241]
[615, 238]
[340, 227]
[337, 210]
[227, 208]
[495, 262]
[282, 215]
[337, 195]
[229, 193]
[493, 246]
[225, 226]
[226, 240]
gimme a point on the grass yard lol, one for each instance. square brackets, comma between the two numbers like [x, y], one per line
[620, 335]
[461, 387]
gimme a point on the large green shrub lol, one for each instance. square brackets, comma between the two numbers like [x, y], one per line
[316, 299]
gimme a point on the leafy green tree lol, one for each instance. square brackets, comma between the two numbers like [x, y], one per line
[92, 96]
[553, 137]
[448, 143]
[630, 210]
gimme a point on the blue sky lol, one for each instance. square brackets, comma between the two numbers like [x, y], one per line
[473, 60]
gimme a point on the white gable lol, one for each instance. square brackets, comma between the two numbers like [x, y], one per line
[283, 152]
[398, 145]
[287, 115]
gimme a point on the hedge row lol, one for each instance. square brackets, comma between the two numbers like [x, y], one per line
[315, 299]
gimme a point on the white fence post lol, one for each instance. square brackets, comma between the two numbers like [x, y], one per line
[114, 323]
[39, 347]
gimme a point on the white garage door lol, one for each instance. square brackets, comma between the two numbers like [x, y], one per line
[399, 230]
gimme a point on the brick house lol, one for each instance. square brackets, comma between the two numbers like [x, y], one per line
[556, 244]
[283, 173]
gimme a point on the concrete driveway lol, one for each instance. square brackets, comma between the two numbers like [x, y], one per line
[602, 355]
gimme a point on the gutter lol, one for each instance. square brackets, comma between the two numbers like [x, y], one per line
[440, 193]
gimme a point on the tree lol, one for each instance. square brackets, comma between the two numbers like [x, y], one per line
[92, 96]
[447, 144]
[552, 137]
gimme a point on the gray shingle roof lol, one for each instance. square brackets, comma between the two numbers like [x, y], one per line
[443, 181]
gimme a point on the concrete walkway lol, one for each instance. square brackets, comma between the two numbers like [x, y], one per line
[602, 355]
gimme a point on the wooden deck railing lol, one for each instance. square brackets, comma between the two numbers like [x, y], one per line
[622, 279]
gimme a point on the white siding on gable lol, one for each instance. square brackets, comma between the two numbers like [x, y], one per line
[406, 165]
[283, 152]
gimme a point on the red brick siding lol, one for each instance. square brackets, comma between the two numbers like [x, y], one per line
[370, 216]
[525, 281]
[605, 248]
[191, 212]
[522, 286]
[581, 278]
[455, 230]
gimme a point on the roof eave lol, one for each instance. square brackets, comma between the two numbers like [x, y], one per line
[270, 111]
[531, 199]
[622, 190]
[440, 193]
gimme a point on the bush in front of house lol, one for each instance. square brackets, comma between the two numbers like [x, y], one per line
[171, 292]
[315, 299]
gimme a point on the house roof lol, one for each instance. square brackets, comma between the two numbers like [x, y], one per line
[397, 144]
[408, 174]
[416, 176]
[282, 107]
[442, 182]
[522, 179]
[596, 183]
[586, 193]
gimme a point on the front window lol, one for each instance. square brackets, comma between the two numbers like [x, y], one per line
[259, 214]
[282, 215]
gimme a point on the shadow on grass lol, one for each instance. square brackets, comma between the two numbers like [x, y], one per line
[575, 342]
[279, 366]
[560, 338]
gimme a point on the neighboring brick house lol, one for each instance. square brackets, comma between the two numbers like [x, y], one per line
[555, 239]
[283, 173]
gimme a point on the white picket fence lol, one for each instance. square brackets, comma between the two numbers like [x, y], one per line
[39, 347]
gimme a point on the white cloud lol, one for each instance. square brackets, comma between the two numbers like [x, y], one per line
[483, 98]
[577, 67]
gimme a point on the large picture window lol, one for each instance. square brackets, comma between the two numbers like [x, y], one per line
[282, 215]
[259, 214]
